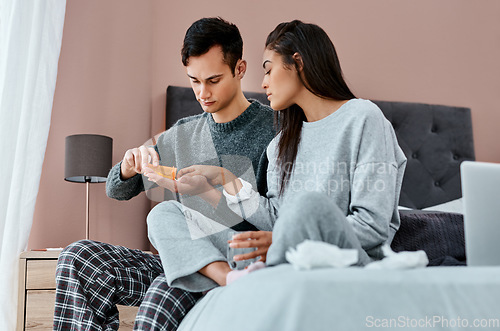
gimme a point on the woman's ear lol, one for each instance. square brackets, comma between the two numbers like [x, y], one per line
[298, 60]
[240, 69]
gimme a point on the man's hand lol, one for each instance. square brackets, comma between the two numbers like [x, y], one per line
[215, 176]
[136, 159]
[188, 184]
[260, 239]
[193, 185]
[169, 184]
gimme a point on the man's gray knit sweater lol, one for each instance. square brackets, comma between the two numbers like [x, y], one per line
[237, 145]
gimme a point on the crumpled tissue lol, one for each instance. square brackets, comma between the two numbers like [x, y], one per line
[312, 254]
[400, 260]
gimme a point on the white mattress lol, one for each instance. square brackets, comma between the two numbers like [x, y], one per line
[281, 298]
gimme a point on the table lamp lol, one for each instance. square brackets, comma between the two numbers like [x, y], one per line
[88, 160]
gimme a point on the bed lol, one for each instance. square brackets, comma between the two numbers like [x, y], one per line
[435, 139]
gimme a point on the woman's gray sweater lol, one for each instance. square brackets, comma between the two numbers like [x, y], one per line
[352, 156]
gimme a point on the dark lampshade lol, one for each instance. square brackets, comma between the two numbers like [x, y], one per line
[88, 158]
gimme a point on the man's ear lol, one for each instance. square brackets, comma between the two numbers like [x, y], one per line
[298, 60]
[240, 69]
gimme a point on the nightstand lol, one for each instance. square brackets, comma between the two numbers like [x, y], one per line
[37, 289]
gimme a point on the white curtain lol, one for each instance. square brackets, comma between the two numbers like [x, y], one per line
[30, 43]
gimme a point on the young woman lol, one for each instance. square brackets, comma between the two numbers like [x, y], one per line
[335, 167]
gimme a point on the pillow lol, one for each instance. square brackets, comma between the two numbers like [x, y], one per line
[454, 206]
[440, 235]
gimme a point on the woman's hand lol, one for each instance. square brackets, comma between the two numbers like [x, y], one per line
[215, 176]
[260, 239]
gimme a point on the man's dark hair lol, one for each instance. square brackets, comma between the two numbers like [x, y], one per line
[205, 33]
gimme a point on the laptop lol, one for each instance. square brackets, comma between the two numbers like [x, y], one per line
[481, 197]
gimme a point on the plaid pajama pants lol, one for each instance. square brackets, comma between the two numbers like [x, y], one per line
[93, 277]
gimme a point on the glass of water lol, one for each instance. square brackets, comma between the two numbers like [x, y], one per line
[231, 252]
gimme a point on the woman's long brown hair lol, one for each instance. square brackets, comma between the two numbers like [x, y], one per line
[320, 73]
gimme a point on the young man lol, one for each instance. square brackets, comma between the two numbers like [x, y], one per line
[233, 132]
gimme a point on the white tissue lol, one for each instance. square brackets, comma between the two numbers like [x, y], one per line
[401, 260]
[317, 254]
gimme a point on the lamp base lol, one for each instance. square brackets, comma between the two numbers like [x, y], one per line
[87, 212]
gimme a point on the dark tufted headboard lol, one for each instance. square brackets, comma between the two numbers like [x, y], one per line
[434, 138]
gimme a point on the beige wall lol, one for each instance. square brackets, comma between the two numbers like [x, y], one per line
[104, 87]
[118, 57]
